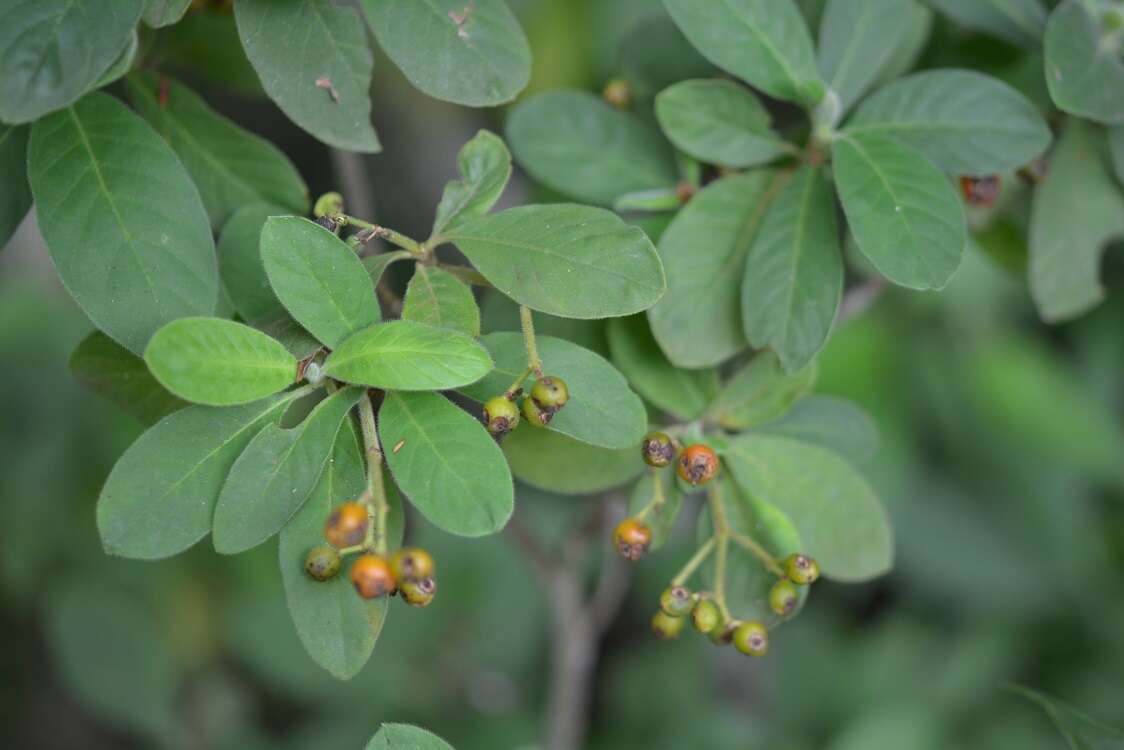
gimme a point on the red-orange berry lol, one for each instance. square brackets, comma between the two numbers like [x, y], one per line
[347, 525]
[632, 538]
[412, 564]
[698, 464]
[372, 577]
[980, 191]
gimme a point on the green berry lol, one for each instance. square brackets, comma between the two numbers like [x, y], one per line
[705, 616]
[550, 393]
[751, 638]
[322, 563]
[418, 593]
[784, 597]
[535, 415]
[657, 449]
[328, 204]
[801, 569]
[667, 627]
[501, 415]
[722, 633]
[676, 601]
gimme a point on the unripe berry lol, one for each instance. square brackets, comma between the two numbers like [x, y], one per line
[617, 93]
[801, 569]
[418, 593]
[372, 577]
[346, 525]
[657, 449]
[783, 597]
[698, 464]
[328, 204]
[980, 191]
[550, 393]
[534, 415]
[322, 563]
[412, 564]
[632, 538]
[751, 638]
[723, 632]
[705, 616]
[667, 627]
[676, 601]
[501, 415]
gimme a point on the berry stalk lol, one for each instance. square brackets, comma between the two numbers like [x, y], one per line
[377, 507]
[534, 361]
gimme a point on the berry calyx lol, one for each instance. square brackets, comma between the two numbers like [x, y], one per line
[980, 191]
[657, 449]
[667, 627]
[372, 577]
[501, 415]
[550, 393]
[535, 415]
[346, 525]
[801, 569]
[751, 638]
[322, 563]
[783, 597]
[412, 564]
[676, 601]
[698, 464]
[632, 538]
[705, 616]
[418, 593]
[617, 93]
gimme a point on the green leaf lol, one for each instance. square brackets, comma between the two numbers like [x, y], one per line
[1018, 21]
[484, 164]
[408, 356]
[554, 462]
[831, 422]
[564, 259]
[123, 222]
[314, 62]
[903, 213]
[158, 13]
[474, 54]
[719, 122]
[698, 323]
[1084, 70]
[499, 313]
[602, 410]
[122, 64]
[406, 737]
[112, 371]
[161, 494]
[276, 474]
[240, 264]
[231, 167]
[794, 273]
[218, 362]
[1077, 210]
[438, 298]
[575, 143]
[446, 463]
[1115, 145]
[659, 491]
[376, 265]
[759, 392]
[318, 278]
[859, 40]
[962, 121]
[54, 51]
[653, 54]
[1081, 731]
[682, 393]
[763, 42]
[15, 197]
[840, 520]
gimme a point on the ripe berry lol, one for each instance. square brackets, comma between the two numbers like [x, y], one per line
[412, 564]
[667, 627]
[534, 415]
[372, 576]
[801, 569]
[705, 617]
[632, 538]
[501, 415]
[697, 464]
[617, 93]
[980, 191]
[418, 593]
[783, 597]
[676, 601]
[751, 638]
[657, 449]
[550, 393]
[322, 563]
[347, 525]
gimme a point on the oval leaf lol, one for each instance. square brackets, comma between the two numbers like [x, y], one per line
[759, 392]
[565, 260]
[554, 462]
[485, 167]
[408, 356]
[446, 463]
[406, 737]
[438, 298]
[831, 422]
[122, 220]
[1018, 21]
[1084, 72]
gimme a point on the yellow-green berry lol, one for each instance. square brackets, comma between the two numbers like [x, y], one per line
[667, 627]
[751, 638]
[501, 415]
[535, 415]
[705, 616]
[784, 597]
[418, 593]
[801, 569]
[676, 601]
[657, 449]
[322, 563]
[550, 393]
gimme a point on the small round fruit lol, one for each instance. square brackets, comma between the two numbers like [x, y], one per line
[783, 597]
[372, 577]
[676, 601]
[418, 593]
[501, 415]
[328, 204]
[657, 449]
[550, 393]
[723, 632]
[412, 564]
[801, 569]
[981, 191]
[322, 563]
[698, 464]
[347, 525]
[617, 93]
[534, 415]
[705, 616]
[667, 627]
[751, 638]
[632, 538]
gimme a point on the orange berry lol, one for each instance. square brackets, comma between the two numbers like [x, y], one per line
[347, 525]
[372, 577]
[698, 464]
[632, 538]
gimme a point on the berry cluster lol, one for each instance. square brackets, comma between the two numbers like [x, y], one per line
[547, 397]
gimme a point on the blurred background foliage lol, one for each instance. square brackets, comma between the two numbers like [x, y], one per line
[1002, 463]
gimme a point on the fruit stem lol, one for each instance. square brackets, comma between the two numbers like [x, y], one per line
[759, 552]
[693, 564]
[377, 508]
[722, 540]
[658, 497]
[394, 238]
[517, 384]
[534, 362]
